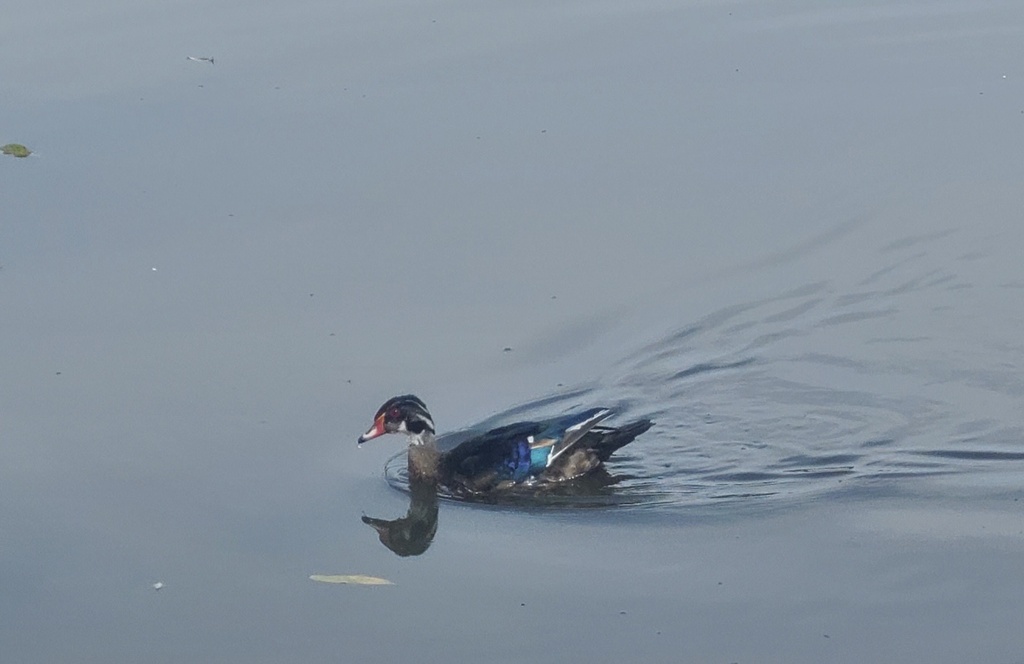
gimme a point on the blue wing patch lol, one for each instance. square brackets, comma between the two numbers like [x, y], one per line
[520, 461]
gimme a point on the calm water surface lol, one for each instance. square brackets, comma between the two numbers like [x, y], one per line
[788, 233]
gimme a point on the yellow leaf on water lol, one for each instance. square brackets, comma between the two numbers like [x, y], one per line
[356, 579]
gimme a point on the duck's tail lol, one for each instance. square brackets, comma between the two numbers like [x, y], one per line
[606, 440]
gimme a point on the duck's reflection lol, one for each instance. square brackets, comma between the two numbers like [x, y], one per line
[412, 534]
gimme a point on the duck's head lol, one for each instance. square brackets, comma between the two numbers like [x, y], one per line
[405, 414]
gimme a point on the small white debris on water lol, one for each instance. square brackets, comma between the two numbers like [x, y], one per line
[352, 579]
[158, 585]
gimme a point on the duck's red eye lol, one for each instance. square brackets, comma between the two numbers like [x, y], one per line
[394, 414]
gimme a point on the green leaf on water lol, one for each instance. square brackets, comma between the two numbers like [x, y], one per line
[354, 579]
[16, 150]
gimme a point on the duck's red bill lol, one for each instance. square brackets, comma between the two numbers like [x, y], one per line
[376, 430]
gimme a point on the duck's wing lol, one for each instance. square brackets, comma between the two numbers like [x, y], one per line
[517, 451]
[500, 454]
[562, 433]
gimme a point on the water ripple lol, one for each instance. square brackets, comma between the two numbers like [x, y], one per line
[883, 379]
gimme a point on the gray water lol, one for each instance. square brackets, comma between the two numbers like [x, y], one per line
[788, 232]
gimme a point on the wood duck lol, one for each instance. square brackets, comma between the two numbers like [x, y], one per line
[555, 450]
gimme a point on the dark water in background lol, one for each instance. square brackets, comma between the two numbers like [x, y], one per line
[790, 234]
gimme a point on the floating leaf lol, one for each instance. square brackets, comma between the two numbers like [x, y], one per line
[355, 579]
[16, 150]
